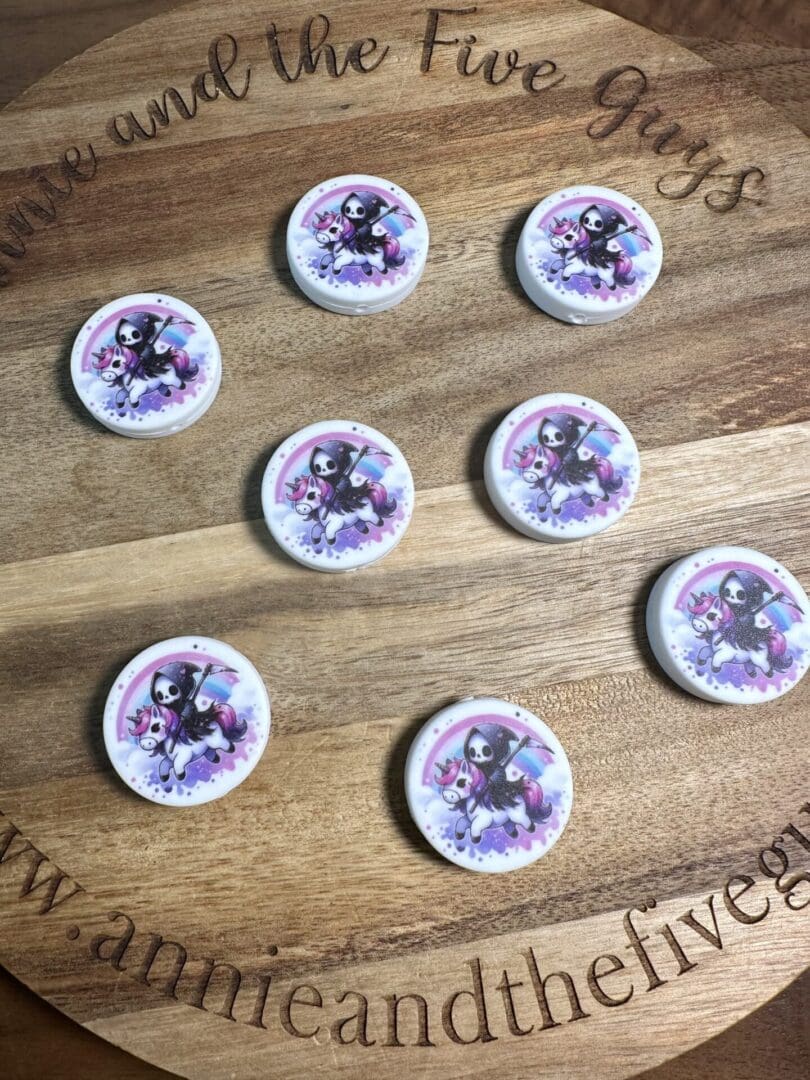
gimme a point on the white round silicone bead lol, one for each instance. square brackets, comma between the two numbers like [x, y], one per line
[137, 394]
[357, 244]
[186, 721]
[526, 477]
[451, 771]
[588, 254]
[337, 495]
[730, 625]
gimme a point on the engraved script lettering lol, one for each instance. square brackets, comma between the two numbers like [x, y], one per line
[313, 49]
[74, 168]
[620, 90]
[487, 66]
[533, 997]
[124, 128]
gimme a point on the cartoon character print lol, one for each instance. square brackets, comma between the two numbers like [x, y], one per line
[137, 364]
[562, 468]
[726, 621]
[175, 729]
[589, 246]
[333, 499]
[356, 235]
[478, 788]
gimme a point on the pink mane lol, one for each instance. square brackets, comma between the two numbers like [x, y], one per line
[451, 774]
[526, 456]
[323, 221]
[105, 357]
[551, 457]
[699, 605]
[301, 484]
[143, 719]
[562, 225]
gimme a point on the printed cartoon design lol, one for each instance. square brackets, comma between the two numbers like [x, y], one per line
[477, 787]
[146, 365]
[594, 248]
[488, 785]
[137, 362]
[357, 239]
[175, 729]
[355, 235]
[562, 468]
[332, 499]
[735, 628]
[337, 495]
[186, 721]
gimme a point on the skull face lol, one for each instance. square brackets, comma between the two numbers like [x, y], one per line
[166, 691]
[479, 750]
[323, 465]
[592, 221]
[551, 436]
[354, 209]
[734, 593]
[128, 335]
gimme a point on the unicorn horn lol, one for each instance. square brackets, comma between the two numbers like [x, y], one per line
[695, 598]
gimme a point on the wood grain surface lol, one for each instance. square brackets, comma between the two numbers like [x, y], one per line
[705, 373]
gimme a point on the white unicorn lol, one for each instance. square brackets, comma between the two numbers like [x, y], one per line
[465, 788]
[570, 241]
[594, 477]
[363, 505]
[160, 730]
[120, 366]
[713, 621]
[336, 233]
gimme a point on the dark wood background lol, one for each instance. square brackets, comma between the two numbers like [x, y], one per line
[763, 45]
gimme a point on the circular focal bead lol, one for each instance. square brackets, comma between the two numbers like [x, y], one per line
[489, 785]
[588, 254]
[357, 244]
[561, 467]
[146, 365]
[186, 721]
[337, 495]
[730, 624]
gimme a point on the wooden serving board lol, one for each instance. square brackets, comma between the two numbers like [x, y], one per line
[307, 893]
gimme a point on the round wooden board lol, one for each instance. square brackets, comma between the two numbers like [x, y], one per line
[310, 874]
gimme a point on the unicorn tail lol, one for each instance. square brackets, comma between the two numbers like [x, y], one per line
[233, 726]
[778, 656]
[624, 271]
[391, 253]
[533, 797]
[607, 477]
[384, 506]
[182, 364]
